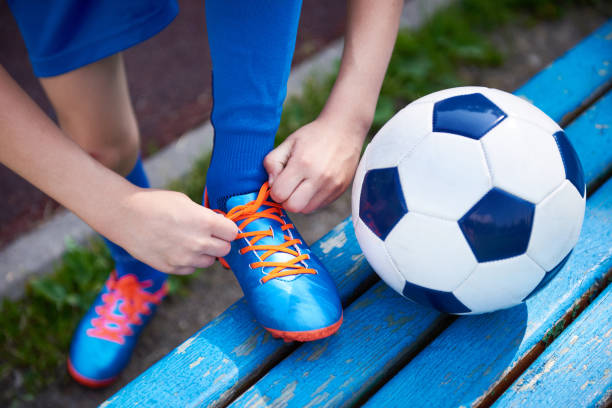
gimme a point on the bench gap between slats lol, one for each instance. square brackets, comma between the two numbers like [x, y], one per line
[572, 314]
[583, 301]
[547, 321]
[283, 351]
[576, 371]
[235, 392]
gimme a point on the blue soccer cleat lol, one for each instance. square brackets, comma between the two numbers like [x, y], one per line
[105, 338]
[289, 291]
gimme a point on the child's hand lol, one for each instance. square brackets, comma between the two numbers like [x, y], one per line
[317, 162]
[171, 233]
[314, 165]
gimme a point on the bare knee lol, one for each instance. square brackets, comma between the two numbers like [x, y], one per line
[115, 145]
[118, 155]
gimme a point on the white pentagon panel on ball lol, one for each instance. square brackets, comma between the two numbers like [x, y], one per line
[400, 135]
[499, 284]
[430, 252]
[523, 159]
[444, 176]
[377, 256]
[447, 93]
[519, 108]
[357, 184]
[556, 226]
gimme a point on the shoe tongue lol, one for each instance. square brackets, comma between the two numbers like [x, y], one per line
[240, 200]
[264, 224]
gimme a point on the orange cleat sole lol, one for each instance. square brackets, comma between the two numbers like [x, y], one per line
[308, 335]
[88, 382]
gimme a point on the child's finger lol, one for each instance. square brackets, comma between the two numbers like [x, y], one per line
[217, 247]
[286, 182]
[277, 159]
[182, 270]
[223, 228]
[302, 195]
[204, 261]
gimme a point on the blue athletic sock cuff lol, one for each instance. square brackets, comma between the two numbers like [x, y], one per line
[237, 166]
[138, 176]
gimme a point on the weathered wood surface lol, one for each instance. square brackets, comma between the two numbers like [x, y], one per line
[475, 353]
[332, 371]
[380, 329]
[568, 83]
[591, 136]
[576, 370]
[233, 348]
[484, 331]
[212, 366]
[464, 362]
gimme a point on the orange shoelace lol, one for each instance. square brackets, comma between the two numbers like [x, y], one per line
[135, 301]
[248, 213]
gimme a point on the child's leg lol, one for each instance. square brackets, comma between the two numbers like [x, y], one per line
[251, 45]
[94, 108]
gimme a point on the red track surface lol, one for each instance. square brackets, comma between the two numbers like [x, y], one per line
[170, 85]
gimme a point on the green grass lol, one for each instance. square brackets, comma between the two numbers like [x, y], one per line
[35, 331]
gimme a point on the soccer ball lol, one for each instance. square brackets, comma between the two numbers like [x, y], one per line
[468, 200]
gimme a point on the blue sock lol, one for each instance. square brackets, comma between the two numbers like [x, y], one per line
[126, 263]
[251, 45]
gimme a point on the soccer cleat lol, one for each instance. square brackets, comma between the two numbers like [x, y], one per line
[289, 291]
[105, 338]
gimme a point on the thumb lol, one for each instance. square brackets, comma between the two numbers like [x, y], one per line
[276, 160]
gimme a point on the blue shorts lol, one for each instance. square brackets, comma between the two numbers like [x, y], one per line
[63, 35]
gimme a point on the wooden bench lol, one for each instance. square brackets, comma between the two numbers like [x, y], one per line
[391, 352]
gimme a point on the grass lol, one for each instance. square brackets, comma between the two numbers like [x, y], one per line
[35, 330]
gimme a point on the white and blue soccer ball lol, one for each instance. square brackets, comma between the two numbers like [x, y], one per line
[468, 200]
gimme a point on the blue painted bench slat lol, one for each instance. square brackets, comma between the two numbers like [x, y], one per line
[594, 151]
[334, 370]
[274, 387]
[524, 326]
[380, 329]
[467, 359]
[577, 370]
[564, 86]
[232, 348]
[213, 366]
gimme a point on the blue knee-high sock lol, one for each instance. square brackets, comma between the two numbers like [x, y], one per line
[124, 262]
[251, 45]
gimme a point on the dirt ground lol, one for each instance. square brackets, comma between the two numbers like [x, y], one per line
[527, 51]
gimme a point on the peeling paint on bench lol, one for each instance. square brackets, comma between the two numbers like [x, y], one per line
[475, 352]
[576, 369]
[342, 367]
[464, 360]
[233, 346]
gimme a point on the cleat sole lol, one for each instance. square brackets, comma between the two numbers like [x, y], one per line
[308, 335]
[88, 382]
